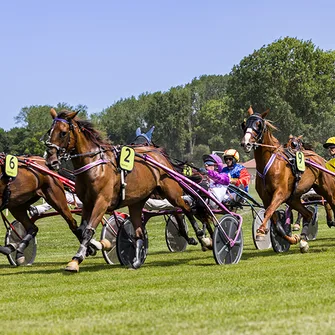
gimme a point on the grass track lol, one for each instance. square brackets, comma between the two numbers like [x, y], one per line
[173, 293]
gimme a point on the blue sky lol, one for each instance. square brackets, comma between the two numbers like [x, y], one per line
[99, 51]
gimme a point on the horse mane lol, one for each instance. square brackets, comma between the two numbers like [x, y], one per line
[271, 127]
[87, 128]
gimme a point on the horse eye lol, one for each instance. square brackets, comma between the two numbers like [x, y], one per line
[62, 134]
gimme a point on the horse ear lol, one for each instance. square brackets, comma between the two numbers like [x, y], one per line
[264, 115]
[291, 136]
[300, 137]
[53, 113]
[250, 110]
[72, 115]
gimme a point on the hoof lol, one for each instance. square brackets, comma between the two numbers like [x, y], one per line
[136, 265]
[330, 224]
[72, 266]
[203, 248]
[106, 245]
[192, 241]
[206, 242]
[260, 237]
[20, 259]
[304, 247]
[261, 234]
[296, 227]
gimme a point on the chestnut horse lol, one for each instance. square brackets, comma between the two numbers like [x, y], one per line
[294, 144]
[275, 182]
[99, 180]
[18, 193]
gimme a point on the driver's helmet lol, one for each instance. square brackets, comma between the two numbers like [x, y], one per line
[329, 143]
[215, 159]
[233, 154]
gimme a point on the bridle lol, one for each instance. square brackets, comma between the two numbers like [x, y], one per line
[258, 130]
[255, 126]
[61, 150]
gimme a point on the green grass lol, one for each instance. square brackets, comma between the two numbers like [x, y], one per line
[172, 293]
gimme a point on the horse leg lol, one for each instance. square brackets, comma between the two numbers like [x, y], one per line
[307, 217]
[276, 201]
[182, 230]
[55, 196]
[89, 223]
[20, 214]
[135, 212]
[327, 192]
[329, 215]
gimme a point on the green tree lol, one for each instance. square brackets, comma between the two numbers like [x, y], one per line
[295, 80]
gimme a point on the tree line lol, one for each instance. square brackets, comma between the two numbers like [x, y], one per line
[291, 77]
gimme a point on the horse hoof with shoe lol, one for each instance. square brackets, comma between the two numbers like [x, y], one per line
[106, 245]
[261, 234]
[72, 266]
[20, 258]
[206, 242]
[304, 247]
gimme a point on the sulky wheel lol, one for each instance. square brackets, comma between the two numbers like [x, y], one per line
[14, 236]
[223, 252]
[109, 232]
[258, 219]
[279, 244]
[313, 224]
[174, 241]
[126, 244]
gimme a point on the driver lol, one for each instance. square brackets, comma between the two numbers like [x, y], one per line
[330, 145]
[239, 175]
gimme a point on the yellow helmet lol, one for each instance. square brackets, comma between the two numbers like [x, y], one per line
[232, 153]
[330, 142]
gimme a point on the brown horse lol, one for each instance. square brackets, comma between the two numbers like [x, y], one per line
[275, 182]
[18, 193]
[295, 144]
[100, 182]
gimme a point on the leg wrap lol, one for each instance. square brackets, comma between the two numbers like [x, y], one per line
[196, 228]
[25, 241]
[304, 231]
[139, 246]
[280, 230]
[7, 249]
[87, 235]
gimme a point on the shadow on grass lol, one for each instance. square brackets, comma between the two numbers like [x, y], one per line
[36, 268]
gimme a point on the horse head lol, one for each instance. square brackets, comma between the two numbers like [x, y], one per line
[253, 128]
[60, 141]
[296, 143]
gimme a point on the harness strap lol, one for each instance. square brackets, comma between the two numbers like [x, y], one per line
[90, 166]
[267, 167]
